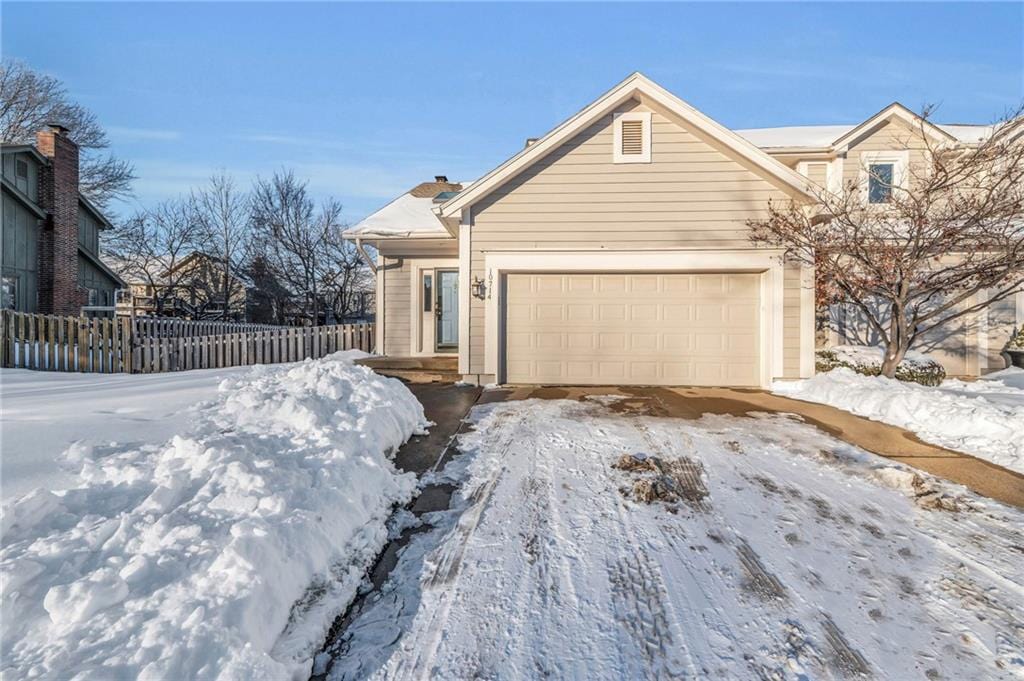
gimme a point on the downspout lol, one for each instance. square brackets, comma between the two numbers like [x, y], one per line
[366, 256]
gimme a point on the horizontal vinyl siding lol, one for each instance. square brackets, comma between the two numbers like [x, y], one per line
[791, 322]
[894, 135]
[399, 256]
[397, 298]
[690, 196]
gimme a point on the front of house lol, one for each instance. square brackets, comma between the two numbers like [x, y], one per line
[615, 250]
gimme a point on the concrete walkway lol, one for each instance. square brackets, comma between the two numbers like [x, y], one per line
[982, 477]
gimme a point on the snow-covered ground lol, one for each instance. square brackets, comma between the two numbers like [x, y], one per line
[44, 413]
[219, 542]
[984, 418]
[792, 556]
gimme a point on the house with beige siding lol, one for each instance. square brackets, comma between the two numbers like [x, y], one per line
[614, 250]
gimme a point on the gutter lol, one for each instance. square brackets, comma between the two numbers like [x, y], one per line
[366, 256]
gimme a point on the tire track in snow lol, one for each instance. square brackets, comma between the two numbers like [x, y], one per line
[790, 641]
[444, 579]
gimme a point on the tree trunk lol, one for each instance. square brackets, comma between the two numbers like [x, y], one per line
[899, 339]
[895, 351]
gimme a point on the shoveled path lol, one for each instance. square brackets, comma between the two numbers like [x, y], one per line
[978, 475]
[446, 405]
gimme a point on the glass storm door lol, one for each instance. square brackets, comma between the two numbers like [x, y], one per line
[447, 309]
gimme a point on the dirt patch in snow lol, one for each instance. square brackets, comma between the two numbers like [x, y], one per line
[671, 481]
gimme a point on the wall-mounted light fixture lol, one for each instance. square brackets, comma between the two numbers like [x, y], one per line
[478, 288]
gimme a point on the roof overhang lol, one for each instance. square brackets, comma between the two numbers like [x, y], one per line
[102, 266]
[636, 86]
[370, 237]
[24, 149]
[22, 198]
[95, 212]
[895, 110]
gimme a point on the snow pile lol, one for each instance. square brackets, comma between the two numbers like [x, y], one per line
[191, 559]
[983, 418]
[50, 419]
[867, 360]
[869, 355]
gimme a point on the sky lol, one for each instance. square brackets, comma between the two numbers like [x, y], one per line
[366, 100]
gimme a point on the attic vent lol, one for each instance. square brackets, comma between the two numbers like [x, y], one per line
[632, 137]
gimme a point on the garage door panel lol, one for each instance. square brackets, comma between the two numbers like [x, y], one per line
[644, 312]
[645, 329]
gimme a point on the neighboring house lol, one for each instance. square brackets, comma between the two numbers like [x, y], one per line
[873, 155]
[614, 250]
[51, 257]
[192, 288]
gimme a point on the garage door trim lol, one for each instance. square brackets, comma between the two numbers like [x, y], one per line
[768, 262]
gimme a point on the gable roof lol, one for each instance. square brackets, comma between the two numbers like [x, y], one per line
[822, 137]
[636, 84]
[894, 110]
[24, 149]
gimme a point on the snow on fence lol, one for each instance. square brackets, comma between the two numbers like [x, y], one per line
[52, 343]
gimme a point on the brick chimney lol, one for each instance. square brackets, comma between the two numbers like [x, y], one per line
[58, 240]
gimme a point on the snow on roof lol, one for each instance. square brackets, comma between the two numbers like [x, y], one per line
[821, 136]
[795, 136]
[407, 216]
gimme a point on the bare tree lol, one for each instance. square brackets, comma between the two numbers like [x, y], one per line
[30, 100]
[222, 216]
[915, 254]
[151, 246]
[294, 238]
[348, 280]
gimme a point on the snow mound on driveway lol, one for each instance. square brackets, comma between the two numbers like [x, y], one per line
[984, 418]
[192, 558]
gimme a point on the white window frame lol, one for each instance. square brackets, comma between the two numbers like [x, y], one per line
[618, 119]
[900, 161]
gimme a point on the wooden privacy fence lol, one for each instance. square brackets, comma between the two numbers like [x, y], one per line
[52, 343]
[162, 327]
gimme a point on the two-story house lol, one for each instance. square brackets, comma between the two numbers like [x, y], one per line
[615, 249]
[50, 249]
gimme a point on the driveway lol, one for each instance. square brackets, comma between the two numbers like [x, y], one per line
[600, 536]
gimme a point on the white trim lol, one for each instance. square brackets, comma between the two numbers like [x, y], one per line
[635, 86]
[900, 161]
[802, 167]
[465, 293]
[807, 338]
[416, 314]
[982, 332]
[768, 262]
[835, 175]
[894, 110]
[645, 154]
[378, 342]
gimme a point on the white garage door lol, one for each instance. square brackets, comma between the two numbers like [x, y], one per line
[639, 329]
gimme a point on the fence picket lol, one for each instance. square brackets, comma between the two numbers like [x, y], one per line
[153, 345]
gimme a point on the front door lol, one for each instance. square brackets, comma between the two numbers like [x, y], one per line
[446, 311]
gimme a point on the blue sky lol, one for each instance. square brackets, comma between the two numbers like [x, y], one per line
[365, 100]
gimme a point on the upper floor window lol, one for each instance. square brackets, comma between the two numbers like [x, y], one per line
[880, 177]
[882, 174]
[21, 169]
[632, 137]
